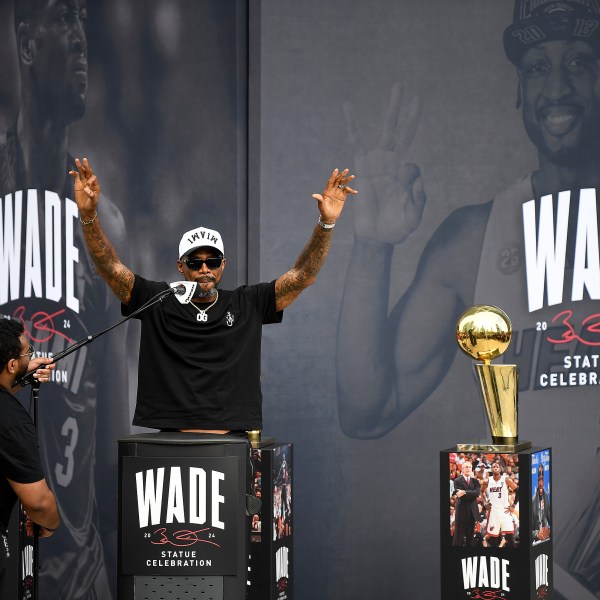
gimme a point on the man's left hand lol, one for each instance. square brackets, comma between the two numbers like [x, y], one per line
[42, 367]
[331, 201]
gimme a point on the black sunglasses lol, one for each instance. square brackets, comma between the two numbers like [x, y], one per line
[195, 264]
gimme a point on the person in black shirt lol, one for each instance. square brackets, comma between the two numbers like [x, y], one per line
[21, 475]
[200, 361]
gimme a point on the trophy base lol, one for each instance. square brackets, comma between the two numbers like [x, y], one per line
[493, 447]
[257, 441]
[263, 442]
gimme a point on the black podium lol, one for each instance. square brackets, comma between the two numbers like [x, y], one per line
[183, 529]
[506, 551]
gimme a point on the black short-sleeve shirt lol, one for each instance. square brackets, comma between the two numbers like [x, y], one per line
[19, 452]
[201, 374]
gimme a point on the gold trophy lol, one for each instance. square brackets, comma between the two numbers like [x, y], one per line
[484, 333]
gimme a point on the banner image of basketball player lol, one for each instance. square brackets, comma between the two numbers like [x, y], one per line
[112, 81]
[541, 519]
[528, 246]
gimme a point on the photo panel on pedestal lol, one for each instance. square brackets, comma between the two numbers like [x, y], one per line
[484, 499]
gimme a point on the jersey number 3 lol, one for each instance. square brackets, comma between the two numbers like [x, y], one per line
[64, 473]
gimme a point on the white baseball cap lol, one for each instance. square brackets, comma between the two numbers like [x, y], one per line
[200, 238]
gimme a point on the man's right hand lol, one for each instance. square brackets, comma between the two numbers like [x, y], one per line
[44, 533]
[119, 278]
[87, 189]
[41, 530]
[393, 189]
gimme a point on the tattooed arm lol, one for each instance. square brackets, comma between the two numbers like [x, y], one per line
[87, 193]
[304, 273]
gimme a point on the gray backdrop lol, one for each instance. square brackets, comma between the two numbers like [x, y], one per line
[366, 511]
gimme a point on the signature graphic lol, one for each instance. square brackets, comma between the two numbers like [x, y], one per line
[590, 328]
[43, 328]
[183, 537]
[486, 594]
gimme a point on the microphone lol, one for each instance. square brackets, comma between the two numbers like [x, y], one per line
[178, 290]
[183, 290]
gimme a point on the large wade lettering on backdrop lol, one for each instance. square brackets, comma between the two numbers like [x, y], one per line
[14, 228]
[55, 323]
[546, 249]
[555, 279]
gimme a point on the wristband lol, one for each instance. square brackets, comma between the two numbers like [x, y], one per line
[326, 225]
[90, 221]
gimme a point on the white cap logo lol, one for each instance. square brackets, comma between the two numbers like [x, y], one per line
[198, 238]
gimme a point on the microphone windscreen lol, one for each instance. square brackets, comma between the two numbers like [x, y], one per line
[184, 290]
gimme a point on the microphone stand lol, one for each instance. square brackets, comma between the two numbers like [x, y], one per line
[29, 379]
[29, 561]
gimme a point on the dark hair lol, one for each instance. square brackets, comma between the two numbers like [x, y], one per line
[27, 10]
[10, 344]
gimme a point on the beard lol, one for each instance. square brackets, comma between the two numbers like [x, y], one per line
[21, 372]
[200, 293]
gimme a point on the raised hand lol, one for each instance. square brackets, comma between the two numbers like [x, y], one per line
[393, 188]
[331, 201]
[87, 189]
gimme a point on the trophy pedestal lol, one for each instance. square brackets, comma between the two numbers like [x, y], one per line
[491, 446]
[503, 553]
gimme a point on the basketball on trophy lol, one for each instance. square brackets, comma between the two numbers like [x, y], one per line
[483, 332]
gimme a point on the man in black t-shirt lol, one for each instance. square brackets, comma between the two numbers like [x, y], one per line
[200, 361]
[21, 475]
[199, 368]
